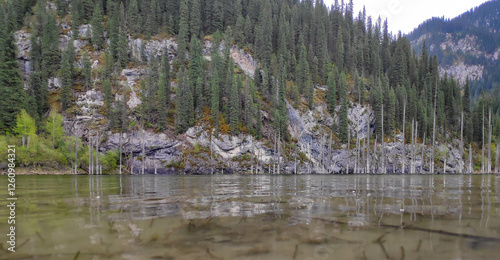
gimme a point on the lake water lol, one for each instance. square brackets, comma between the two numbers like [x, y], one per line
[255, 217]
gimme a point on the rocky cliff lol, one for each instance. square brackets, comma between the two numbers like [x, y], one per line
[201, 151]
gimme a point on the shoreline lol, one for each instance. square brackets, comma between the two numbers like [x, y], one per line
[42, 171]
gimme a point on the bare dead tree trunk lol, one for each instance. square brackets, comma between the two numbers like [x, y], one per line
[368, 150]
[423, 148]
[76, 153]
[404, 137]
[415, 148]
[471, 170]
[97, 153]
[121, 133]
[143, 164]
[348, 150]
[496, 160]
[91, 154]
[445, 158]
[489, 141]
[482, 150]
[383, 142]
[434, 130]
[461, 143]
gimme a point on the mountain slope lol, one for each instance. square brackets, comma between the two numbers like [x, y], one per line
[466, 46]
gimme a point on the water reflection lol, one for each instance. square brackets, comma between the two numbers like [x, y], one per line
[312, 216]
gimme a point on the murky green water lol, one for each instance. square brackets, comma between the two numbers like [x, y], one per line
[255, 217]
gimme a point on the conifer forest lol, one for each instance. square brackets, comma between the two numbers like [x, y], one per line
[223, 86]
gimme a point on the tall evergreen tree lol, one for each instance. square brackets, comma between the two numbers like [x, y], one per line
[182, 37]
[97, 28]
[331, 98]
[11, 87]
[343, 100]
[184, 115]
[163, 104]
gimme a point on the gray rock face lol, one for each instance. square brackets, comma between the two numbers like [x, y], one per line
[54, 83]
[159, 150]
[85, 31]
[23, 43]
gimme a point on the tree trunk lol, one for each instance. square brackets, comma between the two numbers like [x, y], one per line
[461, 143]
[471, 170]
[434, 131]
[482, 150]
[383, 142]
[97, 153]
[489, 141]
[496, 160]
[143, 164]
[404, 137]
[76, 153]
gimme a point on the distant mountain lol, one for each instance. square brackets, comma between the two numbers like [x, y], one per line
[467, 45]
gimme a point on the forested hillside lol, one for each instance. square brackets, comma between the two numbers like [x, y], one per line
[467, 46]
[101, 67]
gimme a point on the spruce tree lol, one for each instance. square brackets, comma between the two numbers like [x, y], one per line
[133, 17]
[184, 114]
[86, 69]
[331, 98]
[11, 87]
[182, 37]
[67, 81]
[122, 49]
[263, 41]
[215, 83]
[163, 104]
[196, 74]
[343, 120]
[97, 28]
[195, 19]
[234, 105]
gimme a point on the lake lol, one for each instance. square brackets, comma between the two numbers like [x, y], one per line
[255, 217]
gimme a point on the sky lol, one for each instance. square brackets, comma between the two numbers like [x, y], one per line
[405, 15]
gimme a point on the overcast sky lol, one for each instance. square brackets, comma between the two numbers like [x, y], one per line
[405, 15]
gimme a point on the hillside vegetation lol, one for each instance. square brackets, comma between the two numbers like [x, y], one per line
[101, 67]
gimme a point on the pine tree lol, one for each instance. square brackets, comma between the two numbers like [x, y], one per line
[331, 98]
[133, 17]
[239, 38]
[97, 29]
[50, 47]
[113, 30]
[340, 50]
[195, 19]
[163, 104]
[184, 115]
[343, 120]
[234, 105]
[67, 80]
[215, 66]
[11, 87]
[196, 74]
[86, 69]
[122, 49]
[263, 41]
[182, 37]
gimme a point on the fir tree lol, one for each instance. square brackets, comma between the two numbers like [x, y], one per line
[184, 115]
[86, 69]
[133, 17]
[343, 120]
[331, 98]
[234, 105]
[11, 87]
[97, 29]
